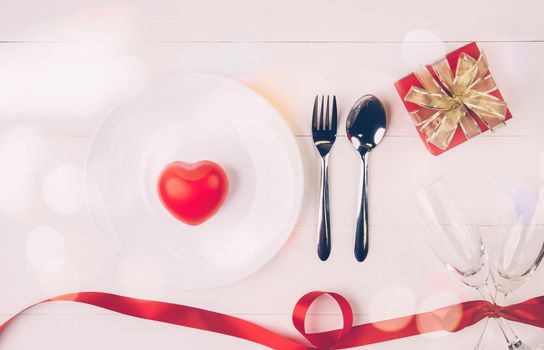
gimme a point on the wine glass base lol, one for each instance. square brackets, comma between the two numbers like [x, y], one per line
[518, 345]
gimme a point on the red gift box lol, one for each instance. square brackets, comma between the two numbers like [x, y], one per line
[453, 99]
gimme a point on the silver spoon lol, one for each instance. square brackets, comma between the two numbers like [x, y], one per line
[365, 128]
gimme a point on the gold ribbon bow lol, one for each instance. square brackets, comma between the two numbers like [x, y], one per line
[446, 103]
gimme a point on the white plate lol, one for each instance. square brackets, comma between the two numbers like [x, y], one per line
[190, 118]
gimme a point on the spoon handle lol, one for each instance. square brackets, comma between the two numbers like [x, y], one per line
[324, 228]
[361, 230]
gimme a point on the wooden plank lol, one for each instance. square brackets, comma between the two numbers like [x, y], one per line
[401, 266]
[68, 89]
[43, 179]
[88, 332]
[282, 20]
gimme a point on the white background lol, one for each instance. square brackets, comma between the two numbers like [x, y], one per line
[64, 64]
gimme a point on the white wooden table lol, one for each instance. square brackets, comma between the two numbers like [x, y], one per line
[65, 63]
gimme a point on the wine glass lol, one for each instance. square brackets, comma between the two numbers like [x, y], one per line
[455, 241]
[519, 238]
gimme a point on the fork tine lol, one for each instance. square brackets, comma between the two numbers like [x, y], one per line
[327, 121]
[334, 114]
[321, 113]
[314, 114]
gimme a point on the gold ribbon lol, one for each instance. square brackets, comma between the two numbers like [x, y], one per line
[445, 103]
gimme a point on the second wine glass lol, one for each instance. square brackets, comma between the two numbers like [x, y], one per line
[518, 241]
[455, 242]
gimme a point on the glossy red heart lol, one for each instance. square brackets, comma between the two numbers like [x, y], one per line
[193, 193]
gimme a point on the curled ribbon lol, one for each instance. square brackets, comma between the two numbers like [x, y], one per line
[450, 100]
[452, 318]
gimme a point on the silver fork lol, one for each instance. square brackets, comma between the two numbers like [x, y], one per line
[324, 135]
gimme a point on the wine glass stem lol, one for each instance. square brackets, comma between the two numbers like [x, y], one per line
[485, 292]
[482, 342]
[511, 338]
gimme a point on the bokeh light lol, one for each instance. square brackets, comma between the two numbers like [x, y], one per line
[421, 47]
[280, 90]
[390, 302]
[434, 301]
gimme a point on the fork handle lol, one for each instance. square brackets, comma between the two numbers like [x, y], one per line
[361, 230]
[324, 228]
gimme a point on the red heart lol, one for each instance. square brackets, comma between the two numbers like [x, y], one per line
[193, 193]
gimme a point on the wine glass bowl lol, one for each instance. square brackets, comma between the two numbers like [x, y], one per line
[518, 244]
[454, 240]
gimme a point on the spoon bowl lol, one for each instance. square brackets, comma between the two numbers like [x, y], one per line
[365, 128]
[366, 123]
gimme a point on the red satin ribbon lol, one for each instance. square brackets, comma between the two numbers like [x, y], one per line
[452, 318]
